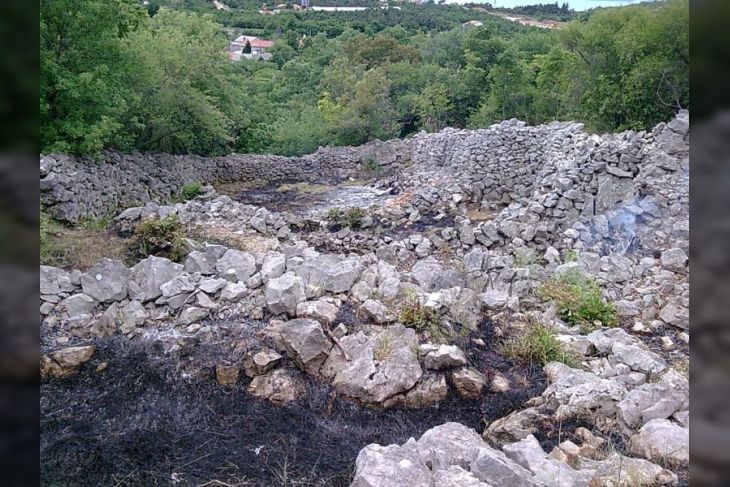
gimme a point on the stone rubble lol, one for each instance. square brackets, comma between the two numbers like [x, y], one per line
[471, 224]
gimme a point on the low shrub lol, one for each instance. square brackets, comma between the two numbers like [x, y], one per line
[161, 237]
[190, 191]
[579, 301]
[348, 217]
[536, 346]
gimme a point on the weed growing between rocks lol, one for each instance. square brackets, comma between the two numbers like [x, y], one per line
[579, 301]
[161, 237]
[346, 217]
[536, 346]
[190, 191]
[421, 318]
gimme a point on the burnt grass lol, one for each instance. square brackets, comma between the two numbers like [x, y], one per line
[140, 422]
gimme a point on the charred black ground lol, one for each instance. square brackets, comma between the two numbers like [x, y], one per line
[138, 422]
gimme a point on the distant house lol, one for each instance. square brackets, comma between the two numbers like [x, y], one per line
[472, 23]
[249, 47]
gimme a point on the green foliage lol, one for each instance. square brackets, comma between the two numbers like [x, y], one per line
[191, 191]
[346, 217]
[536, 346]
[579, 301]
[421, 318]
[114, 74]
[161, 237]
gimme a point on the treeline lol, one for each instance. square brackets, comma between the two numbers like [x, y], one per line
[114, 76]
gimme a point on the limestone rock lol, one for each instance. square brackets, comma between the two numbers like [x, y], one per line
[108, 280]
[151, 273]
[79, 306]
[469, 382]
[529, 454]
[66, 361]
[391, 466]
[374, 311]
[54, 280]
[449, 444]
[320, 309]
[444, 356]
[235, 265]
[284, 293]
[227, 375]
[304, 340]
[260, 362]
[280, 386]
[661, 440]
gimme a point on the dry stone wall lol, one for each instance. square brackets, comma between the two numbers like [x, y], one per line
[567, 171]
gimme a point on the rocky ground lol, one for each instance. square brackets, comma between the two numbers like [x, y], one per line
[356, 330]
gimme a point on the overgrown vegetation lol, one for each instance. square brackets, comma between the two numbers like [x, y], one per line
[161, 237]
[79, 246]
[421, 318]
[191, 191]
[114, 74]
[536, 346]
[351, 217]
[579, 301]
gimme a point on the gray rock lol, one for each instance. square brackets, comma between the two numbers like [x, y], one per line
[374, 311]
[212, 286]
[320, 309]
[273, 266]
[658, 400]
[529, 454]
[515, 426]
[280, 386]
[638, 358]
[391, 466]
[201, 262]
[674, 260]
[107, 281]
[361, 291]
[151, 273]
[430, 390]
[284, 293]
[79, 306]
[380, 366]
[304, 340]
[342, 276]
[455, 476]
[234, 291]
[623, 471]
[191, 315]
[493, 467]
[178, 285]
[469, 382]
[444, 356]
[54, 280]
[494, 299]
[260, 362]
[449, 444]
[661, 440]
[236, 265]
[431, 276]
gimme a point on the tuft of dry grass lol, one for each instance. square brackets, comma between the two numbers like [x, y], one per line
[536, 346]
[80, 246]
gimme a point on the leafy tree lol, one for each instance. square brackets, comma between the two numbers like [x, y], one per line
[433, 106]
[85, 71]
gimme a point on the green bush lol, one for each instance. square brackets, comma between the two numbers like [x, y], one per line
[537, 346]
[413, 314]
[579, 302]
[190, 191]
[160, 237]
[348, 217]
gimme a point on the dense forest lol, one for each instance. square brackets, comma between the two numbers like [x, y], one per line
[118, 74]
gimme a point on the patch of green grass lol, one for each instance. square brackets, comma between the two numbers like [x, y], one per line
[413, 314]
[160, 237]
[523, 258]
[536, 346]
[579, 301]
[190, 191]
[571, 255]
[347, 217]
[372, 166]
